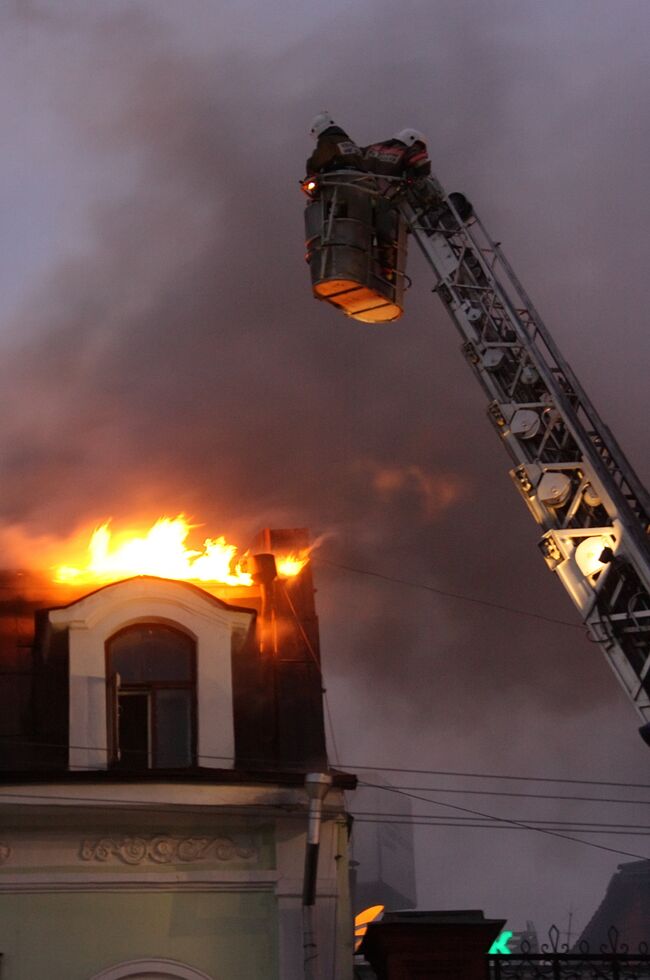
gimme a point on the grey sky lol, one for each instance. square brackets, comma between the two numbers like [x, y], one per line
[161, 352]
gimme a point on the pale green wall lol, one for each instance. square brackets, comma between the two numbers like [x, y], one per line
[72, 936]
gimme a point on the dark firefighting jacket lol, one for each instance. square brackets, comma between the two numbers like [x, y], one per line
[334, 151]
[392, 158]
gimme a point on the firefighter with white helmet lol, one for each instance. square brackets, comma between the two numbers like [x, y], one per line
[410, 136]
[403, 155]
[334, 148]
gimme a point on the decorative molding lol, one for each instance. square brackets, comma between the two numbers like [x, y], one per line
[165, 850]
[163, 879]
[133, 599]
[5, 852]
[153, 794]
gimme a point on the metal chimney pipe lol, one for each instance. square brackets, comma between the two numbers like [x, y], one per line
[317, 785]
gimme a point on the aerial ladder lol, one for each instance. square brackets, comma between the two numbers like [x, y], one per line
[593, 511]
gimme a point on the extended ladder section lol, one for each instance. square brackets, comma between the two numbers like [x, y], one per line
[568, 467]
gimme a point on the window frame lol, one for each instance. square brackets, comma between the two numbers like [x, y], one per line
[151, 688]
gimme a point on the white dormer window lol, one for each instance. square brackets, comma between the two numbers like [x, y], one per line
[150, 664]
[151, 678]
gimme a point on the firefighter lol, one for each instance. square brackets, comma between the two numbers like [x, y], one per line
[403, 155]
[334, 148]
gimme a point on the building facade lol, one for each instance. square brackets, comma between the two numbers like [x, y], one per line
[154, 742]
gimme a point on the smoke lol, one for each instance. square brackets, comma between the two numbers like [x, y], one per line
[162, 353]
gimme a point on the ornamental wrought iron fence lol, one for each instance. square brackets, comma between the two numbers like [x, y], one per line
[557, 961]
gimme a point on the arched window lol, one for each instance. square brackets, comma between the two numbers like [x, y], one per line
[151, 970]
[151, 676]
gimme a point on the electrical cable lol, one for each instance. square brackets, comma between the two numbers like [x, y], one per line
[486, 775]
[318, 665]
[462, 820]
[350, 769]
[295, 811]
[448, 595]
[488, 826]
[525, 796]
[234, 810]
[516, 823]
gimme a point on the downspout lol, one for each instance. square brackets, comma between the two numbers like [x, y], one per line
[317, 785]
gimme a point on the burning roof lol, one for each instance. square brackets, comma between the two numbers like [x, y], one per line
[277, 696]
[162, 550]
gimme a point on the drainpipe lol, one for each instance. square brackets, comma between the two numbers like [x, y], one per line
[317, 785]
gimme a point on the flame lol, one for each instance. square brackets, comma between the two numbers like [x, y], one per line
[162, 551]
[293, 563]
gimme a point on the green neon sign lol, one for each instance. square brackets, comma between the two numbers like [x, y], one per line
[500, 944]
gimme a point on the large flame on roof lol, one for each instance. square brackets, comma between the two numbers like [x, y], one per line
[162, 551]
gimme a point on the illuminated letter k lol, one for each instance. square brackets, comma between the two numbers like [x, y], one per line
[500, 944]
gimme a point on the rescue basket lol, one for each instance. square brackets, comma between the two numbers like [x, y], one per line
[356, 246]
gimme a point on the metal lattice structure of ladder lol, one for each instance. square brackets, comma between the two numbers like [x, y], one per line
[569, 468]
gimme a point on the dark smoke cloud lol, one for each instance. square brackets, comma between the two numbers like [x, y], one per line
[162, 352]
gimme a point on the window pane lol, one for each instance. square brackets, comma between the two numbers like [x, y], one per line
[173, 729]
[133, 731]
[16, 700]
[143, 654]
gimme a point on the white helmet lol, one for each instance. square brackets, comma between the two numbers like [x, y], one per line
[320, 123]
[410, 136]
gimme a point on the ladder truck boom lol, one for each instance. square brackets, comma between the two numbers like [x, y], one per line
[568, 467]
[571, 472]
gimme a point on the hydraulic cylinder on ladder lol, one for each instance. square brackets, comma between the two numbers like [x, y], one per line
[568, 467]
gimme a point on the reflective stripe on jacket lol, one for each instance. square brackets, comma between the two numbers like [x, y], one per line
[392, 158]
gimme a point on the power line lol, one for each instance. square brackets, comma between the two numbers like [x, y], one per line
[433, 817]
[498, 826]
[449, 595]
[234, 810]
[350, 769]
[292, 812]
[405, 817]
[525, 796]
[515, 823]
[485, 775]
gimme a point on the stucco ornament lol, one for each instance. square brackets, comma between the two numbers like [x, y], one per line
[165, 850]
[133, 850]
[5, 852]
